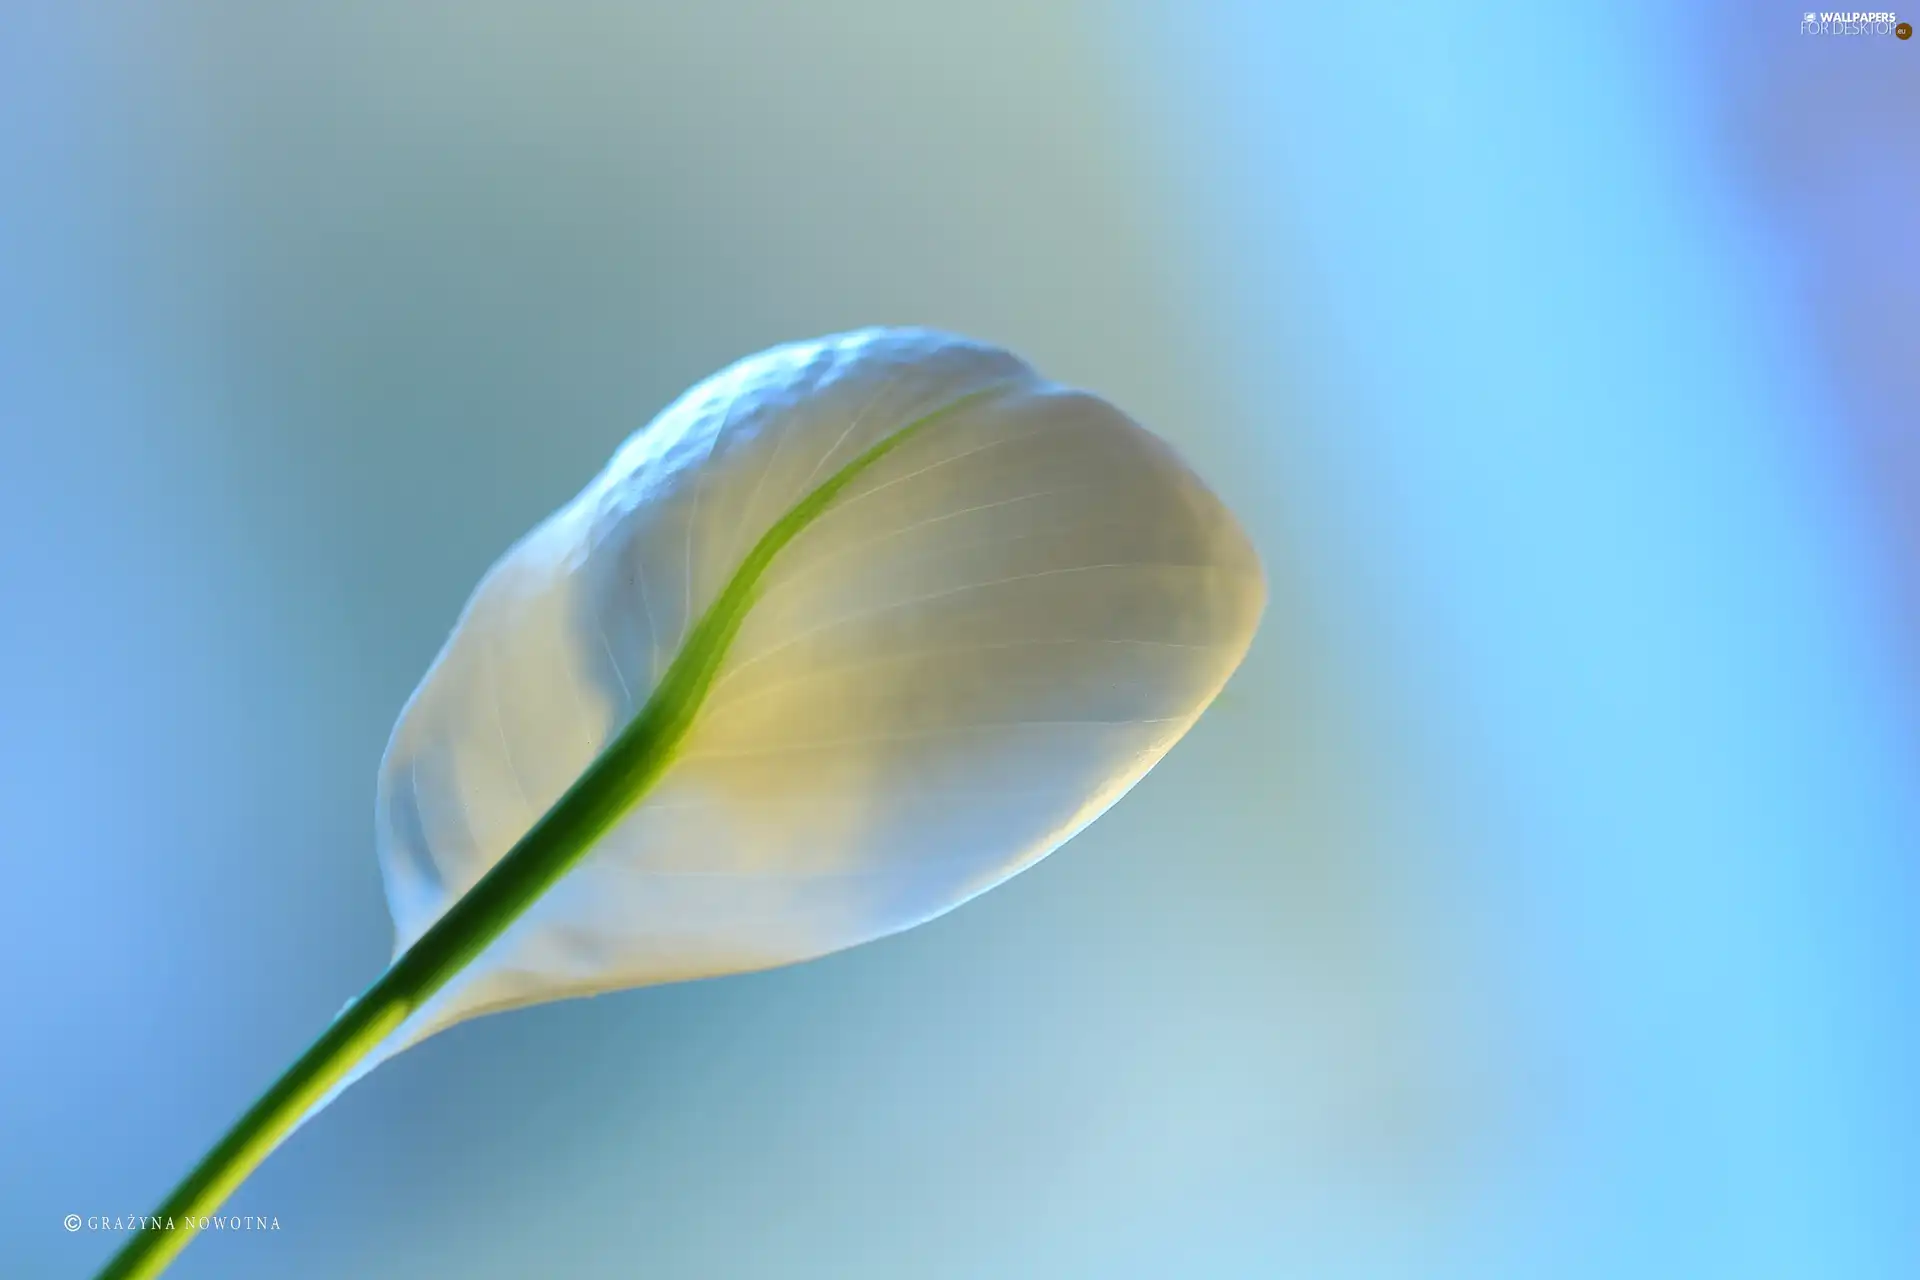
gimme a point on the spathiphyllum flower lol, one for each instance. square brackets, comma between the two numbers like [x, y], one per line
[853, 631]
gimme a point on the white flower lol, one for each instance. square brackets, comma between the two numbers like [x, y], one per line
[1004, 607]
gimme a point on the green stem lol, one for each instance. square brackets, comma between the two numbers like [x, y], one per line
[611, 786]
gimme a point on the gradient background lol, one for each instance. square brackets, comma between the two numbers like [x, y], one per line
[1541, 898]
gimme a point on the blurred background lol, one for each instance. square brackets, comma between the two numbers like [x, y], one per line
[1540, 899]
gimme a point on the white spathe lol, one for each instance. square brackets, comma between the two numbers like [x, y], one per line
[983, 642]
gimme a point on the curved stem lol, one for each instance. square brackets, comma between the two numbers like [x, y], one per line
[613, 784]
[593, 804]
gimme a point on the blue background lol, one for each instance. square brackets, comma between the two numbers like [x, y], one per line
[1540, 899]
